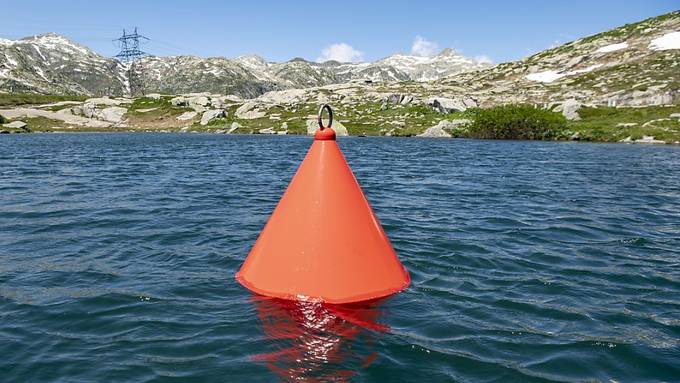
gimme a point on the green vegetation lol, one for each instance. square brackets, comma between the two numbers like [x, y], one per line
[15, 99]
[154, 113]
[3, 120]
[515, 122]
[606, 124]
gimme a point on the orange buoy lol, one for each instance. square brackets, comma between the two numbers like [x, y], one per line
[323, 241]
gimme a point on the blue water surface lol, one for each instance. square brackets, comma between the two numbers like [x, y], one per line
[530, 262]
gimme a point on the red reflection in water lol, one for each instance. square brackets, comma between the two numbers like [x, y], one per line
[318, 342]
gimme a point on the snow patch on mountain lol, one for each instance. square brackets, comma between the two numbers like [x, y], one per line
[612, 47]
[551, 75]
[546, 76]
[665, 42]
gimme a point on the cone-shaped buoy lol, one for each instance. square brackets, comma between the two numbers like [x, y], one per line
[322, 241]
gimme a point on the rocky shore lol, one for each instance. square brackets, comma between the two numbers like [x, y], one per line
[358, 112]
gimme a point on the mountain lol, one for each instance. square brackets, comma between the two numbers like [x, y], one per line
[51, 63]
[635, 64]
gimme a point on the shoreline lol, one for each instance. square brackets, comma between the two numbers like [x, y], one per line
[652, 124]
[133, 131]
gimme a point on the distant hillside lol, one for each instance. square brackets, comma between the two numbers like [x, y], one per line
[52, 64]
[636, 64]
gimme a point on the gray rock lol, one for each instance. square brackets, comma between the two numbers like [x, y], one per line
[575, 137]
[313, 125]
[15, 125]
[674, 115]
[395, 98]
[112, 114]
[199, 103]
[87, 110]
[179, 101]
[649, 140]
[437, 131]
[626, 124]
[187, 115]
[212, 114]
[627, 140]
[234, 125]
[406, 100]
[450, 105]
[267, 131]
[249, 111]
[569, 109]
[154, 96]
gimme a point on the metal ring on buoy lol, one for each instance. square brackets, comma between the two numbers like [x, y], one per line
[330, 116]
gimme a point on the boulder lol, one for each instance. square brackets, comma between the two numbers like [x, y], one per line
[267, 131]
[675, 115]
[626, 124]
[438, 130]
[290, 96]
[249, 111]
[154, 96]
[450, 105]
[15, 125]
[187, 115]
[212, 114]
[649, 140]
[220, 102]
[575, 137]
[313, 125]
[406, 100]
[234, 125]
[87, 110]
[569, 109]
[627, 140]
[395, 98]
[199, 103]
[434, 131]
[112, 114]
[179, 101]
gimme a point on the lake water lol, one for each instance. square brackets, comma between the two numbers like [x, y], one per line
[530, 262]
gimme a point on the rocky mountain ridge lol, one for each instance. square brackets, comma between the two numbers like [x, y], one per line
[50, 63]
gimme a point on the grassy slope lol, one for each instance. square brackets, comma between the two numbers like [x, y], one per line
[16, 99]
[600, 124]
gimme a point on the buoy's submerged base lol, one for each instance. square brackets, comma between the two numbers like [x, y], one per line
[367, 297]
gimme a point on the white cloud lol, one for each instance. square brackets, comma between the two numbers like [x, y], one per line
[423, 47]
[340, 52]
[483, 59]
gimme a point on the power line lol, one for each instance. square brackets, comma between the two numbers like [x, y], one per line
[130, 54]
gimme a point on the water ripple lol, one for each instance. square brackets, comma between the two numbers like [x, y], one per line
[530, 262]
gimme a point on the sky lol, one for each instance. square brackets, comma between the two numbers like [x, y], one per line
[495, 31]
